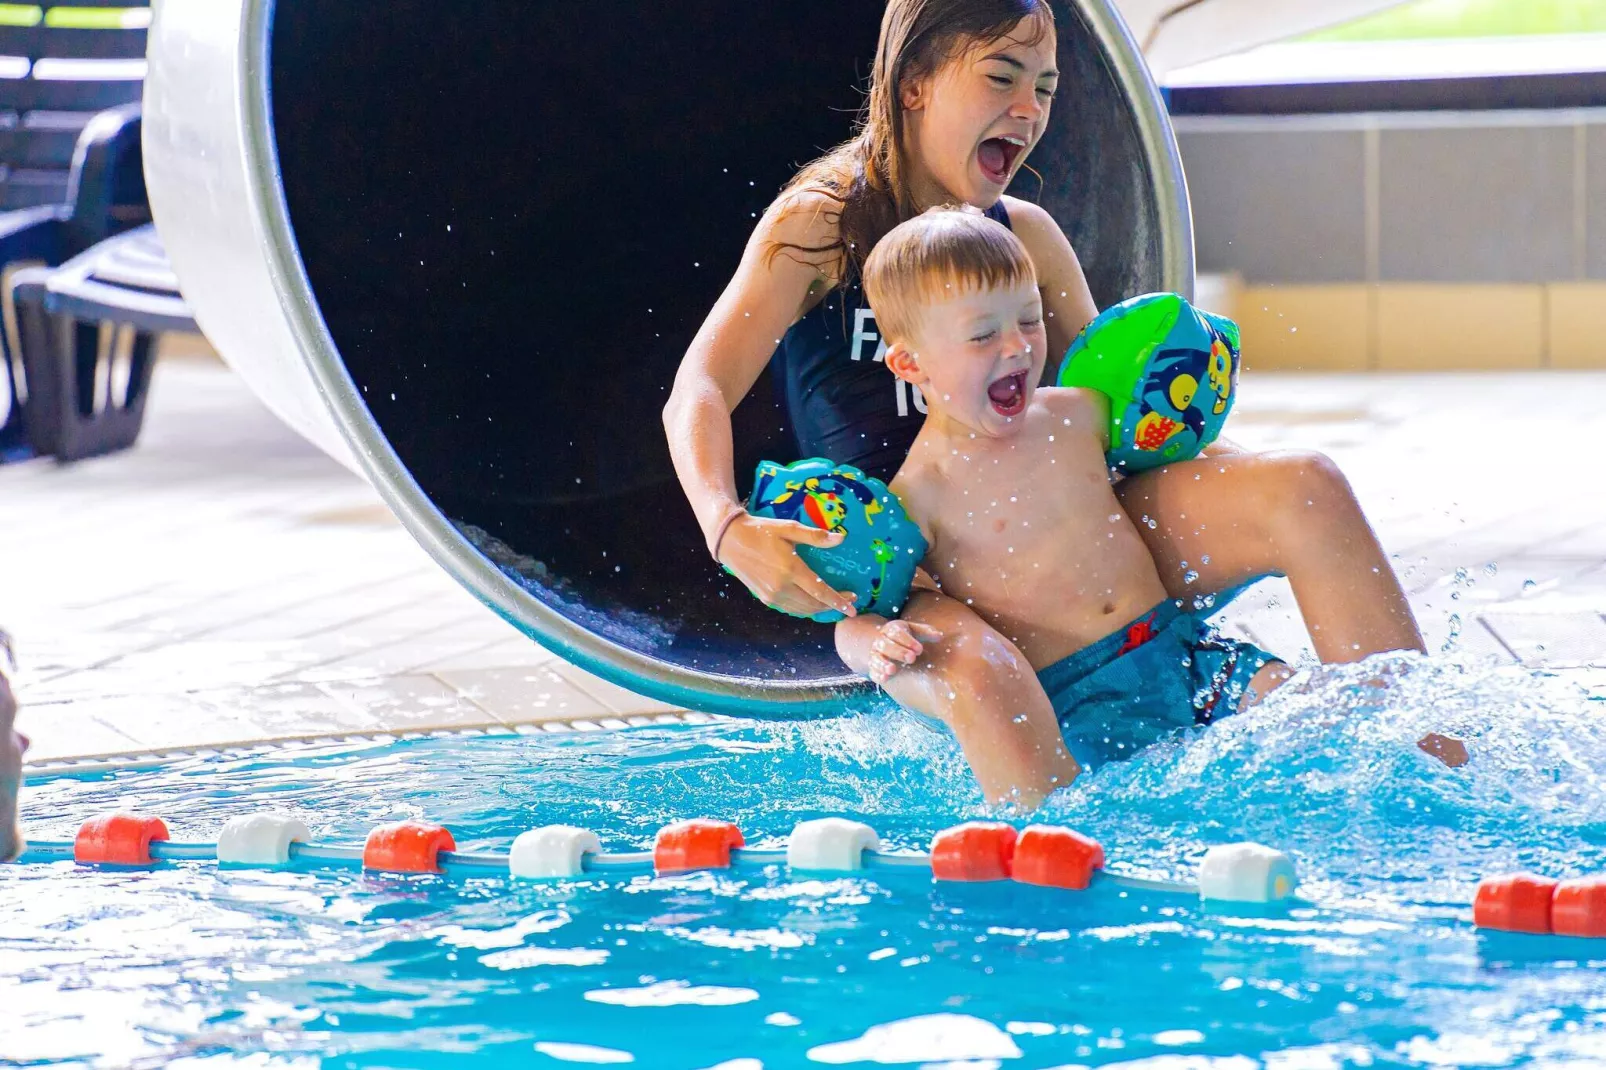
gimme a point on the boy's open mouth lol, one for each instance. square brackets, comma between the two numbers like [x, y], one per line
[997, 155]
[1008, 395]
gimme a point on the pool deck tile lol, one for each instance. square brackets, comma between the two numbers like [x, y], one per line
[223, 583]
[1552, 639]
[411, 703]
[525, 695]
[70, 730]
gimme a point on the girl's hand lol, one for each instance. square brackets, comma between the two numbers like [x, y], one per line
[762, 553]
[898, 646]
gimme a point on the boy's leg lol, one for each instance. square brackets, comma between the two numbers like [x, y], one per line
[1234, 516]
[975, 681]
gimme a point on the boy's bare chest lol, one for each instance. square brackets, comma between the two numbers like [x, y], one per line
[1005, 524]
[1045, 553]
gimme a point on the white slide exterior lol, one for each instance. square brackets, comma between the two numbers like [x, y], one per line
[1179, 33]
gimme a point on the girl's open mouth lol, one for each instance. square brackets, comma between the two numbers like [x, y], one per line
[996, 157]
[1008, 395]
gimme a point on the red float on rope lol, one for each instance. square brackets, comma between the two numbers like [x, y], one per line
[1056, 857]
[700, 843]
[406, 847]
[118, 839]
[1579, 907]
[1519, 903]
[974, 851]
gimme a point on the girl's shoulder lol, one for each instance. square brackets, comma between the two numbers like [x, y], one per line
[803, 215]
[805, 224]
[1030, 221]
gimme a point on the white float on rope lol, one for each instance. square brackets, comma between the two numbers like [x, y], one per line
[260, 839]
[830, 844]
[1246, 873]
[552, 851]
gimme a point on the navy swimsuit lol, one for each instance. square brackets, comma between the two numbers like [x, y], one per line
[841, 402]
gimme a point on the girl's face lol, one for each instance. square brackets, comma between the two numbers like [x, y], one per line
[970, 125]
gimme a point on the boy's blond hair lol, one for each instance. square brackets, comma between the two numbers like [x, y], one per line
[948, 249]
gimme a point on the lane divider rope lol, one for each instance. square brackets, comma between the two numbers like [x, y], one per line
[1043, 855]
[975, 851]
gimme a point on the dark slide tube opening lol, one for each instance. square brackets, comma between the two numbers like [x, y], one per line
[514, 216]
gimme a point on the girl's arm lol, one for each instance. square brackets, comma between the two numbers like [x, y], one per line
[1067, 302]
[724, 360]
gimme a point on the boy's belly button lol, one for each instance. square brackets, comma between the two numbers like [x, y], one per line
[1000, 524]
[1109, 607]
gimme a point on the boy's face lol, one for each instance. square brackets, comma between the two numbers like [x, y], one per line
[977, 357]
[971, 124]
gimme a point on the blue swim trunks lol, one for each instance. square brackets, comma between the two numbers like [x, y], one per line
[1166, 670]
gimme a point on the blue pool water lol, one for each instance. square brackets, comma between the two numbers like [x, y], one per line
[187, 965]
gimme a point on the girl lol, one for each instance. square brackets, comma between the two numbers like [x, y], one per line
[960, 92]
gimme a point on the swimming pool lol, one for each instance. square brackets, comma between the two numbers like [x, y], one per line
[190, 965]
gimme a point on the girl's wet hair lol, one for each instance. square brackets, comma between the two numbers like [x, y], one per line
[867, 175]
[928, 258]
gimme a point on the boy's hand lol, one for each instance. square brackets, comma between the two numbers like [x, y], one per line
[899, 644]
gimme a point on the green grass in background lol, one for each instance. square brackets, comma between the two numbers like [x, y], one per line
[96, 18]
[1472, 18]
[20, 15]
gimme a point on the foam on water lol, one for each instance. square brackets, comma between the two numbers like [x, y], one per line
[193, 965]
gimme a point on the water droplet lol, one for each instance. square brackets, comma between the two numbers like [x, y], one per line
[1205, 560]
[1528, 585]
[1189, 576]
[1018, 719]
[1454, 635]
[1490, 569]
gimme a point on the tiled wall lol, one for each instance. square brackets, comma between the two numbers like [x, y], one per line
[1394, 241]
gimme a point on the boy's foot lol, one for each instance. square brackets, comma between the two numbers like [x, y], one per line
[1447, 749]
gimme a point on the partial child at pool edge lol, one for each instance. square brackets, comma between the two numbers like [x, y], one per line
[1002, 476]
[13, 745]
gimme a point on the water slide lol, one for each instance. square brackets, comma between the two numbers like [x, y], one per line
[463, 249]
